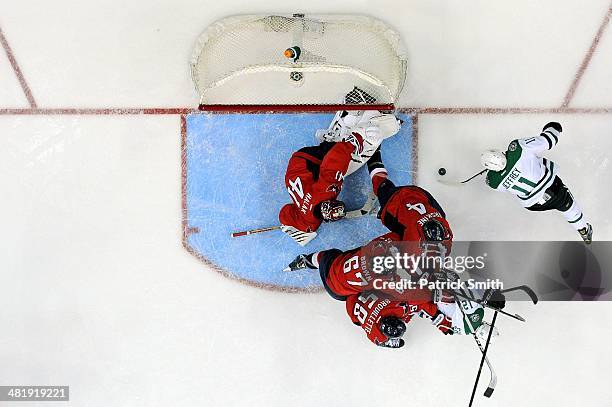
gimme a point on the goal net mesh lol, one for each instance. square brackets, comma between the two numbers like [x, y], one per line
[297, 60]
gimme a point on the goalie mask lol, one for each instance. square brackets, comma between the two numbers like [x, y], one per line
[493, 160]
[392, 327]
[332, 210]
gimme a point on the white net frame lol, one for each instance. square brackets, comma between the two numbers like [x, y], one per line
[239, 64]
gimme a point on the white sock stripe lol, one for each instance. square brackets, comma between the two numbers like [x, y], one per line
[377, 171]
[315, 259]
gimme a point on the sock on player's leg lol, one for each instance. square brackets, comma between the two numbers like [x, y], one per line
[377, 170]
[575, 217]
[377, 179]
[313, 259]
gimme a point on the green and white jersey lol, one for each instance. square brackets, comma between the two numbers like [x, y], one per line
[527, 175]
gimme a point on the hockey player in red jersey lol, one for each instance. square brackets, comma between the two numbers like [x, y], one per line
[315, 174]
[409, 211]
[314, 179]
[344, 273]
[384, 319]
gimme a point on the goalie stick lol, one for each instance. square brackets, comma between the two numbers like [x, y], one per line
[458, 183]
[366, 209]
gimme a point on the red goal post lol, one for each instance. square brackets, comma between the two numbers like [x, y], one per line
[298, 63]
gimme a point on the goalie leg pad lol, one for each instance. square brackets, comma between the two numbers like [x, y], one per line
[387, 124]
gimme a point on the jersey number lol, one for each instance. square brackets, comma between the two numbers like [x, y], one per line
[419, 207]
[353, 264]
[528, 186]
[295, 187]
[360, 311]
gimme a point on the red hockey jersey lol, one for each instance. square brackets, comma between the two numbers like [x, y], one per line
[310, 181]
[408, 209]
[368, 308]
[352, 272]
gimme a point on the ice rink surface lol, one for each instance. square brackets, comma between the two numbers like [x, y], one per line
[97, 291]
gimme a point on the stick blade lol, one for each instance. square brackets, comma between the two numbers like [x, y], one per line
[489, 392]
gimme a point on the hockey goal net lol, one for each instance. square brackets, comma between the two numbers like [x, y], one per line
[297, 62]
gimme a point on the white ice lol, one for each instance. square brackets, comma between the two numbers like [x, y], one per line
[96, 291]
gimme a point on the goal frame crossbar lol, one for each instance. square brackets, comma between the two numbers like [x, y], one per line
[272, 108]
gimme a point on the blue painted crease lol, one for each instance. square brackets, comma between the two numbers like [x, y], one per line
[235, 181]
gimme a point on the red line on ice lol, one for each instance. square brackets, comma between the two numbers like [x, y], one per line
[188, 110]
[587, 58]
[11, 57]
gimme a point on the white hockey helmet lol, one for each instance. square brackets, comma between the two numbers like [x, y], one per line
[493, 160]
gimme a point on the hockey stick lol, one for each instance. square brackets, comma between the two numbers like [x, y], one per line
[526, 289]
[489, 390]
[366, 209]
[253, 231]
[355, 213]
[457, 183]
[493, 380]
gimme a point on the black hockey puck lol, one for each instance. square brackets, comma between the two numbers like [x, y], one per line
[442, 171]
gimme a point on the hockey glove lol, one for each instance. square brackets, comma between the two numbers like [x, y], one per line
[554, 125]
[443, 323]
[496, 300]
[392, 343]
[356, 140]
